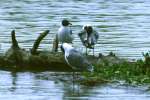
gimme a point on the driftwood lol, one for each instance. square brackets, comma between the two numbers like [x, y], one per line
[37, 42]
[18, 59]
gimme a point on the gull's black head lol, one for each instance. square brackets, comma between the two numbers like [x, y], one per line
[62, 49]
[66, 22]
[88, 29]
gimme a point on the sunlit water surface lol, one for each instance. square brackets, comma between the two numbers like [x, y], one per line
[123, 26]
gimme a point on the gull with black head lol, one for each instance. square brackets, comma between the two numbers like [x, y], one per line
[88, 37]
[64, 32]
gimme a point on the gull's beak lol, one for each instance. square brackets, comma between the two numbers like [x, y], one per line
[70, 23]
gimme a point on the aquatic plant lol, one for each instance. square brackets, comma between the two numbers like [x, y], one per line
[137, 72]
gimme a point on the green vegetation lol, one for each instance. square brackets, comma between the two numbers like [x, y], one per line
[131, 72]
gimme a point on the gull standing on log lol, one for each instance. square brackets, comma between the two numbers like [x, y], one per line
[75, 59]
[88, 37]
[64, 34]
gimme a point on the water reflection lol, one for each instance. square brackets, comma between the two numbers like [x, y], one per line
[14, 81]
[71, 88]
[46, 85]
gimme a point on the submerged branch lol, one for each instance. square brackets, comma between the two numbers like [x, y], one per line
[37, 42]
[14, 41]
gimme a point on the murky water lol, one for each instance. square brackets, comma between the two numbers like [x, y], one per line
[53, 86]
[123, 26]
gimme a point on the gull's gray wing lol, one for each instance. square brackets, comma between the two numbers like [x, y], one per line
[77, 61]
[94, 38]
[96, 35]
[91, 41]
[83, 38]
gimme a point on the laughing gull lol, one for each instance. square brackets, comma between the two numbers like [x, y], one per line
[75, 59]
[64, 34]
[88, 37]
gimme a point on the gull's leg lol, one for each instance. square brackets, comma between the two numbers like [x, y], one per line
[73, 81]
[93, 51]
[78, 84]
[86, 51]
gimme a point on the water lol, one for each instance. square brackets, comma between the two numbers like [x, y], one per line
[54, 86]
[123, 26]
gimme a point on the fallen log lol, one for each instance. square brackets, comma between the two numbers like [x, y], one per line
[18, 59]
